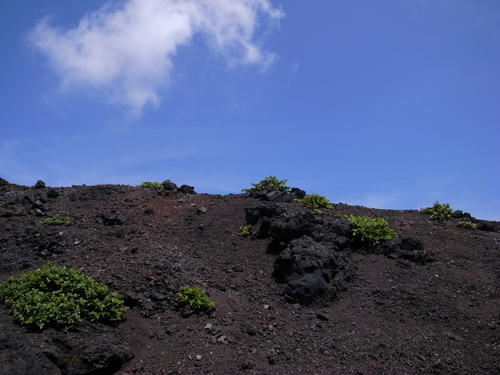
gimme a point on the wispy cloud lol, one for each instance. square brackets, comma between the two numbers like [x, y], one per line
[126, 51]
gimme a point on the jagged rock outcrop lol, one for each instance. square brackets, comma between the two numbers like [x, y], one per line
[312, 252]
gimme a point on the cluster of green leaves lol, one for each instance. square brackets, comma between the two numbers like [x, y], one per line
[196, 298]
[271, 183]
[438, 211]
[53, 293]
[147, 184]
[56, 220]
[244, 230]
[315, 202]
[370, 230]
[467, 224]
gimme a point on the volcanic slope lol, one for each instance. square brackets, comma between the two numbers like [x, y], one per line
[435, 313]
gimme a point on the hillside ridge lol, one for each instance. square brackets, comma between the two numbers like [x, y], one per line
[426, 302]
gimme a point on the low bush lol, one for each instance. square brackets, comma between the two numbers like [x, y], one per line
[56, 220]
[147, 184]
[467, 224]
[244, 230]
[53, 293]
[196, 298]
[438, 211]
[315, 202]
[270, 183]
[370, 230]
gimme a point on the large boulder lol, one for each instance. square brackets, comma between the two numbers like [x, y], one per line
[268, 210]
[305, 257]
[306, 289]
[172, 188]
[85, 354]
[278, 195]
[169, 185]
[487, 226]
[186, 189]
[310, 256]
[285, 229]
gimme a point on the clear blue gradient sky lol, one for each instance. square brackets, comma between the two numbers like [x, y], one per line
[386, 104]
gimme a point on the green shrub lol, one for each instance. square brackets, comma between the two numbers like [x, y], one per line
[244, 230]
[147, 184]
[438, 211]
[196, 298]
[370, 230]
[56, 220]
[271, 183]
[53, 293]
[315, 202]
[467, 224]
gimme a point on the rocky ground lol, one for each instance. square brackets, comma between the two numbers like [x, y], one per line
[297, 296]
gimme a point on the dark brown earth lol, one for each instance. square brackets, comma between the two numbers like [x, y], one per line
[436, 314]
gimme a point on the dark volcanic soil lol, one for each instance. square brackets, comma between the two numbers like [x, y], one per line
[435, 314]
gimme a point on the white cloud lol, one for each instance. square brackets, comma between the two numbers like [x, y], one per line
[127, 51]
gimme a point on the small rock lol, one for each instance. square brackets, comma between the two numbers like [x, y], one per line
[453, 336]
[437, 364]
[322, 315]
[40, 184]
[410, 244]
[157, 296]
[114, 220]
[314, 328]
[172, 329]
[221, 338]
[247, 366]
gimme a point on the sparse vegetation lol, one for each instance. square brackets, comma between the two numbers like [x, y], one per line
[147, 184]
[438, 211]
[467, 224]
[315, 202]
[196, 298]
[56, 220]
[244, 230]
[53, 293]
[271, 183]
[370, 230]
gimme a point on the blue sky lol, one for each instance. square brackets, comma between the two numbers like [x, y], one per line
[386, 104]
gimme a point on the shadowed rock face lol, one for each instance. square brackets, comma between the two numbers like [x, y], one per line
[311, 257]
[426, 302]
[311, 270]
[85, 352]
